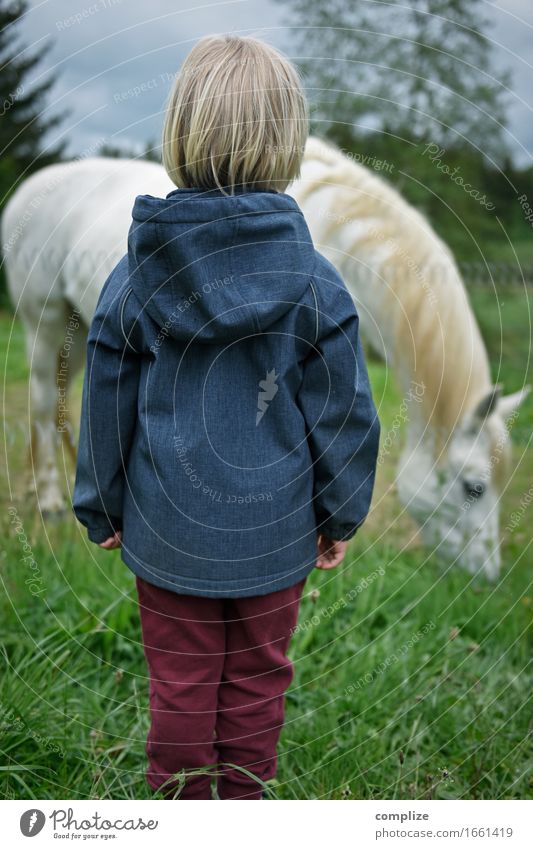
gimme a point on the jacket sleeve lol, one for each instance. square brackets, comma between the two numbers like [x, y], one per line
[108, 414]
[343, 428]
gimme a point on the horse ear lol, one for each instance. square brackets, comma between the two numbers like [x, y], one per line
[509, 404]
[488, 403]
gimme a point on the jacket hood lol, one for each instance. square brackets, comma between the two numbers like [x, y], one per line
[211, 267]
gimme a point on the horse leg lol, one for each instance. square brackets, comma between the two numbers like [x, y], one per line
[42, 339]
[69, 362]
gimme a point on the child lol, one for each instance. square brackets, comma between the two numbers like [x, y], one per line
[228, 435]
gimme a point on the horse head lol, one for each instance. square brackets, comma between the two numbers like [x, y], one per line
[454, 493]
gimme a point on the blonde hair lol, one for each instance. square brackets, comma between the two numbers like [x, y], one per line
[236, 116]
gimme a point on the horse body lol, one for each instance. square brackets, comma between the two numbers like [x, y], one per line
[63, 231]
[413, 307]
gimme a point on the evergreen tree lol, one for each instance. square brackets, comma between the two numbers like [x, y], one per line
[24, 125]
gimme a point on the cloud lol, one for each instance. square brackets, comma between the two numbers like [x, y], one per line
[115, 59]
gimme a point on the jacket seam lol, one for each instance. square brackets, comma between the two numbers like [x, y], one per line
[161, 218]
[316, 311]
[123, 304]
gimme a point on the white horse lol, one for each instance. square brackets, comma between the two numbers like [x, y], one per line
[66, 227]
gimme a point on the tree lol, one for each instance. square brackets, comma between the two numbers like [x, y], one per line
[416, 70]
[150, 151]
[24, 125]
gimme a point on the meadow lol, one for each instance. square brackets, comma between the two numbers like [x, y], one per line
[411, 680]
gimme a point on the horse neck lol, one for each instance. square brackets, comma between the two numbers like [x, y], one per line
[430, 337]
[405, 283]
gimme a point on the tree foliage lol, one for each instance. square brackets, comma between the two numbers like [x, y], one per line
[416, 70]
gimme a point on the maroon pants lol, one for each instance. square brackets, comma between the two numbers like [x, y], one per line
[218, 675]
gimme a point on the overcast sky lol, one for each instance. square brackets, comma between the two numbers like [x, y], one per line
[118, 45]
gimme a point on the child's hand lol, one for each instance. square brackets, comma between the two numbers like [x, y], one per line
[112, 542]
[330, 552]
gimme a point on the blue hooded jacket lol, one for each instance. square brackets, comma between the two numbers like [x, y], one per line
[227, 415]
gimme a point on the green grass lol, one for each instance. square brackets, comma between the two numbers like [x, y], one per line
[417, 686]
[369, 683]
[516, 250]
[505, 323]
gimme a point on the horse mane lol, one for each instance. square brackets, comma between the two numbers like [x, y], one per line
[435, 338]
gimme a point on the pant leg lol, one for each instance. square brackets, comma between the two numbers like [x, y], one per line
[184, 644]
[251, 697]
